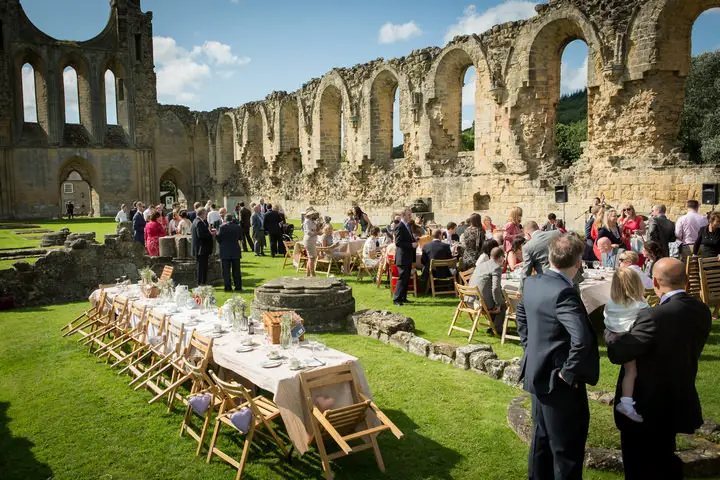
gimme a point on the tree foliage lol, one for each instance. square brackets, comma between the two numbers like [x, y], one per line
[467, 139]
[569, 140]
[572, 108]
[700, 124]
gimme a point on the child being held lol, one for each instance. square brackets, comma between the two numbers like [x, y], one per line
[626, 302]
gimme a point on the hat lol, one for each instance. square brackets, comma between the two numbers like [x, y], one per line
[310, 211]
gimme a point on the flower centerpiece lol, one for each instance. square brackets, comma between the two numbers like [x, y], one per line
[166, 286]
[235, 307]
[204, 296]
[286, 325]
[148, 289]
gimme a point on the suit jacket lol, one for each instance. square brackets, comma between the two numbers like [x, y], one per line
[245, 215]
[661, 230]
[556, 335]
[271, 223]
[666, 343]
[405, 253]
[228, 239]
[487, 277]
[139, 227]
[191, 215]
[257, 224]
[436, 250]
[202, 241]
[535, 253]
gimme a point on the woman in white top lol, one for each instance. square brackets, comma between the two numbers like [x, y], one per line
[183, 225]
[370, 249]
[122, 215]
[310, 229]
[630, 259]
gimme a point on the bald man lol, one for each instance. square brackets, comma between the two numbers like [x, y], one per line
[666, 343]
[608, 254]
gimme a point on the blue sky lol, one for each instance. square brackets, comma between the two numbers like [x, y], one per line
[222, 53]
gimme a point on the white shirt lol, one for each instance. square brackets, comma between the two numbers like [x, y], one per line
[668, 295]
[688, 226]
[214, 217]
[647, 281]
[146, 214]
[121, 216]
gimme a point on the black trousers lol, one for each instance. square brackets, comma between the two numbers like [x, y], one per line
[276, 244]
[233, 264]
[648, 452]
[201, 261]
[561, 420]
[403, 281]
[247, 240]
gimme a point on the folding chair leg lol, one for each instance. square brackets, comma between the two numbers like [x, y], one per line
[246, 449]
[454, 320]
[473, 329]
[203, 432]
[213, 439]
[378, 455]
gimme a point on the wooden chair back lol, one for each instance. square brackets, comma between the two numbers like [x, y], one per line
[198, 349]
[510, 315]
[466, 276]
[383, 268]
[289, 248]
[167, 272]
[325, 256]
[692, 271]
[343, 233]
[651, 297]
[448, 283]
[709, 280]
[301, 253]
[154, 324]
[474, 312]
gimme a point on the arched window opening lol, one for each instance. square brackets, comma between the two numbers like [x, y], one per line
[398, 140]
[571, 128]
[110, 98]
[29, 96]
[77, 197]
[700, 123]
[72, 97]
[384, 114]
[332, 128]
[171, 196]
[467, 125]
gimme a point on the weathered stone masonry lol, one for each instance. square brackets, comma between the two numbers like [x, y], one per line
[288, 149]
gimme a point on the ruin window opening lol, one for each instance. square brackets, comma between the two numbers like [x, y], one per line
[332, 128]
[398, 140]
[467, 122]
[385, 135]
[571, 109]
[110, 98]
[76, 189]
[138, 47]
[30, 113]
[72, 95]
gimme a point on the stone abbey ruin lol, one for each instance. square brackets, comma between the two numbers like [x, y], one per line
[288, 147]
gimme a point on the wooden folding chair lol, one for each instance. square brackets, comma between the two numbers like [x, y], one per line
[289, 248]
[325, 256]
[88, 318]
[152, 336]
[109, 325]
[710, 281]
[201, 385]
[466, 306]
[343, 234]
[692, 272]
[344, 424]
[651, 297]
[114, 349]
[236, 398]
[449, 283]
[510, 315]
[361, 267]
[382, 269]
[466, 276]
[413, 285]
[302, 256]
[158, 356]
[167, 272]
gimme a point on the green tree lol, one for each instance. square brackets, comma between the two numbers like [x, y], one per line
[700, 124]
[568, 139]
[467, 139]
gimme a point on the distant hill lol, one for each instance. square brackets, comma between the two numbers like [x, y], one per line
[572, 108]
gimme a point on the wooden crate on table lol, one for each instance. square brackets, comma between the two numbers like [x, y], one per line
[273, 320]
[150, 291]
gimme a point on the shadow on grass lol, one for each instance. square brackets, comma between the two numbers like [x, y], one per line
[17, 459]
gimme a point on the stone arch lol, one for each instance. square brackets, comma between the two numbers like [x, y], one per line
[87, 172]
[172, 142]
[201, 158]
[382, 99]
[330, 111]
[36, 61]
[121, 91]
[85, 94]
[177, 178]
[251, 153]
[289, 126]
[225, 148]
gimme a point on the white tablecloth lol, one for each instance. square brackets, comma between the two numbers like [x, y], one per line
[594, 293]
[281, 381]
[346, 249]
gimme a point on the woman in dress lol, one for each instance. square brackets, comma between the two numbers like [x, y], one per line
[709, 238]
[370, 249]
[173, 223]
[488, 227]
[472, 241]
[122, 215]
[362, 219]
[153, 232]
[310, 229]
[183, 225]
[513, 228]
[514, 256]
[631, 224]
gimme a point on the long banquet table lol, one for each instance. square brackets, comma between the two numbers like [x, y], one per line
[282, 382]
[346, 248]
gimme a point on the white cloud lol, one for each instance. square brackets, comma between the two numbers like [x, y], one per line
[467, 124]
[28, 88]
[181, 72]
[473, 22]
[70, 82]
[391, 32]
[572, 80]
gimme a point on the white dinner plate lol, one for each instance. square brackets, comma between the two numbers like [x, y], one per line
[245, 348]
[271, 364]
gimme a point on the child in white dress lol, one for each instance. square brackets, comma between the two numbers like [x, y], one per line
[626, 302]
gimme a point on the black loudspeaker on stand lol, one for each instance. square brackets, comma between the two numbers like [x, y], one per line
[710, 194]
[561, 196]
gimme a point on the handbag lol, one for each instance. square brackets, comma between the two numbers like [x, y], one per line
[637, 244]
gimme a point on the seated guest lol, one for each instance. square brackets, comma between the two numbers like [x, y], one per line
[420, 222]
[551, 224]
[609, 254]
[485, 250]
[462, 227]
[451, 232]
[326, 240]
[436, 250]
[370, 249]
[652, 253]
[561, 226]
[350, 224]
[488, 226]
[629, 259]
[487, 278]
[514, 256]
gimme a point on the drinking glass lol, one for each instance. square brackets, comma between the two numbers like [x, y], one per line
[596, 265]
[312, 343]
[294, 345]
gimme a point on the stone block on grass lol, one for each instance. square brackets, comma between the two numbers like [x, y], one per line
[462, 355]
[495, 368]
[478, 359]
[419, 346]
[401, 340]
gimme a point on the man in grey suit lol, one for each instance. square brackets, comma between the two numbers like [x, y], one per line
[661, 229]
[560, 356]
[256, 221]
[487, 277]
[535, 251]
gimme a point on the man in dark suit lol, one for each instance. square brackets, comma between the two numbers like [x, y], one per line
[271, 222]
[228, 239]
[560, 356]
[404, 256]
[133, 210]
[139, 224]
[245, 215]
[192, 213]
[202, 244]
[661, 229]
[488, 278]
[436, 250]
[666, 343]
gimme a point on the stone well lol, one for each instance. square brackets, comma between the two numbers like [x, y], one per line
[324, 303]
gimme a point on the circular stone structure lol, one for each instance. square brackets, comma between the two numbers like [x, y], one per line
[323, 303]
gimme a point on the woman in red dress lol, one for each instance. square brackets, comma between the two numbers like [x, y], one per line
[631, 224]
[153, 231]
[513, 228]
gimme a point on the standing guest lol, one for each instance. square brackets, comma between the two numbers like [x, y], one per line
[350, 224]
[245, 224]
[153, 232]
[486, 249]
[171, 215]
[236, 213]
[258, 234]
[513, 228]
[271, 225]
[310, 230]
[202, 244]
[122, 215]
[362, 219]
[370, 249]
[560, 356]
[162, 220]
[515, 255]
[629, 259]
[487, 277]
[263, 207]
[404, 256]
[660, 229]
[133, 210]
[630, 224]
[536, 252]
[589, 240]
[183, 225]
[450, 234]
[213, 217]
[611, 230]
[223, 213]
[192, 213]
[435, 250]
[609, 253]
[472, 241]
[551, 224]
[666, 343]
[173, 222]
[488, 226]
[146, 213]
[687, 228]
[561, 225]
[228, 239]
[70, 209]
[139, 224]
[652, 253]
[709, 238]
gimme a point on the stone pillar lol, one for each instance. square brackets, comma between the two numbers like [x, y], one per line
[7, 184]
[167, 247]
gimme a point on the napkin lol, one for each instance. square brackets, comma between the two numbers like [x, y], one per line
[242, 419]
[200, 403]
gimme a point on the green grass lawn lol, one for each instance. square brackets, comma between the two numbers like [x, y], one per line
[66, 415]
